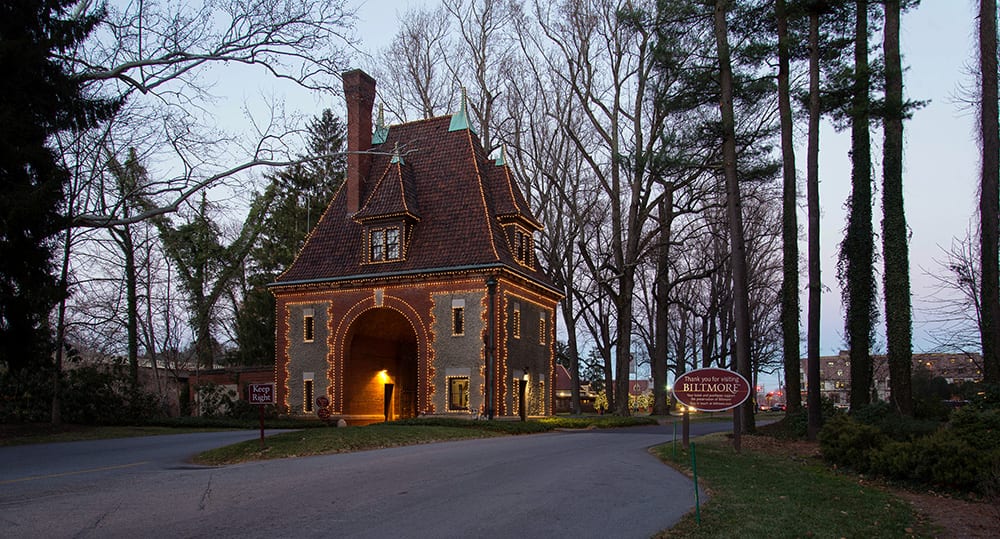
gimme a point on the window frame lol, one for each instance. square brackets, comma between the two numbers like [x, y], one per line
[385, 244]
[457, 321]
[461, 404]
[308, 393]
[308, 327]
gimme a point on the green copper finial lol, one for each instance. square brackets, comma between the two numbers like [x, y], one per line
[502, 160]
[381, 131]
[460, 120]
[396, 156]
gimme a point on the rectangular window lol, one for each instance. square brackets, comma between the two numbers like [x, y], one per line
[308, 326]
[458, 393]
[516, 330]
[541, 329]
[458, 321]
[391, 243]
[378, 245]
[307, 395]
[385, 244]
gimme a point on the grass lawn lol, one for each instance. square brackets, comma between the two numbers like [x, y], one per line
[322, 441]
[765, 494]
[337, 440]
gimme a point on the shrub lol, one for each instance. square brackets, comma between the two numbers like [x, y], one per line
[25, 396]
[950, 462]
[103, 395]
[507, 427]
[881, 415]
[978, 428]
[895, 460]
[848, 442]
[873, 414]
[929, 393]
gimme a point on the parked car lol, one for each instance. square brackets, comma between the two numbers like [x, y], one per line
[778, 407]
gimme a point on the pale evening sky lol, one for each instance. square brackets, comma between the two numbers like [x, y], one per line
[941, 168]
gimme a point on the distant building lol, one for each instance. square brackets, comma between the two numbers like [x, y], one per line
[564, 393]
[419, 287]
[835, 372]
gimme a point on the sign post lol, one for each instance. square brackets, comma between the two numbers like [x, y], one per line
[712, 390]
[261, 394]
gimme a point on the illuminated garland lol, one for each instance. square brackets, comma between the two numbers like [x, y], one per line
[365, 298]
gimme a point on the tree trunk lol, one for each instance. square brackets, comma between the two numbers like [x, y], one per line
[857, 249]
[815, 286]
[127, 246]
[573, 350]
[789, 225]
[661, 293]
[56, 417]
[989, 193]
[623, 346]
[895, 252]
[743, 416]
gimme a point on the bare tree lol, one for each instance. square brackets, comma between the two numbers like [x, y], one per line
[559, 186]
[955, 304]
[157, 59]
[485, 54]
[607, 63]
[412, 73]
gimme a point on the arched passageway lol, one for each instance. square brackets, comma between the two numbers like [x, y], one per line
[381, 366]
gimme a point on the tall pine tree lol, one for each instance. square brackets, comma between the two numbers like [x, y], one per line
[303, 194]
[989, 192]
[857, 250]
[895, 251]
[37, 100]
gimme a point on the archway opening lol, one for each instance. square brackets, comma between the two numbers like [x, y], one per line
[380, 371]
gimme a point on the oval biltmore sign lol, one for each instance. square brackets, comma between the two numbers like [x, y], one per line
[711, 390]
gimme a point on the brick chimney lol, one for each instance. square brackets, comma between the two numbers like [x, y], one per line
[359, 91]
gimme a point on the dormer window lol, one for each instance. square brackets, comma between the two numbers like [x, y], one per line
[523, 247]
[384, 244]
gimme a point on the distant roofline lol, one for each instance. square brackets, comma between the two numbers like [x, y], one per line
[405, 273]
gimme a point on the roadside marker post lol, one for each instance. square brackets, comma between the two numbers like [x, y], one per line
[697, 500]
[261, 395]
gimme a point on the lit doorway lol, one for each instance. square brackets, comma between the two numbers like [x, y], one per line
[380, 370]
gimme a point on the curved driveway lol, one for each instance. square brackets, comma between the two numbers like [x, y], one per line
[596, 483]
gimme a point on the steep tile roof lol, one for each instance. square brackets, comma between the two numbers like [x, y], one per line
[508, 200]
[394, 195]
[443, 179]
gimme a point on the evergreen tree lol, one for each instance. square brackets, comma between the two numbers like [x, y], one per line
[789, 219]
[742, 416]
[989, 193]
[857, 251]
[895, 251]
[37, 99]
[304, 191]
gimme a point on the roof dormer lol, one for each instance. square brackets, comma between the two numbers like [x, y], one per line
[389, 214]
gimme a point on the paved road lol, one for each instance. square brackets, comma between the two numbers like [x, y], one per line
[599, 483]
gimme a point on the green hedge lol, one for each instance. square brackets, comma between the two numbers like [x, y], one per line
[963, 454]
[534, 425]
